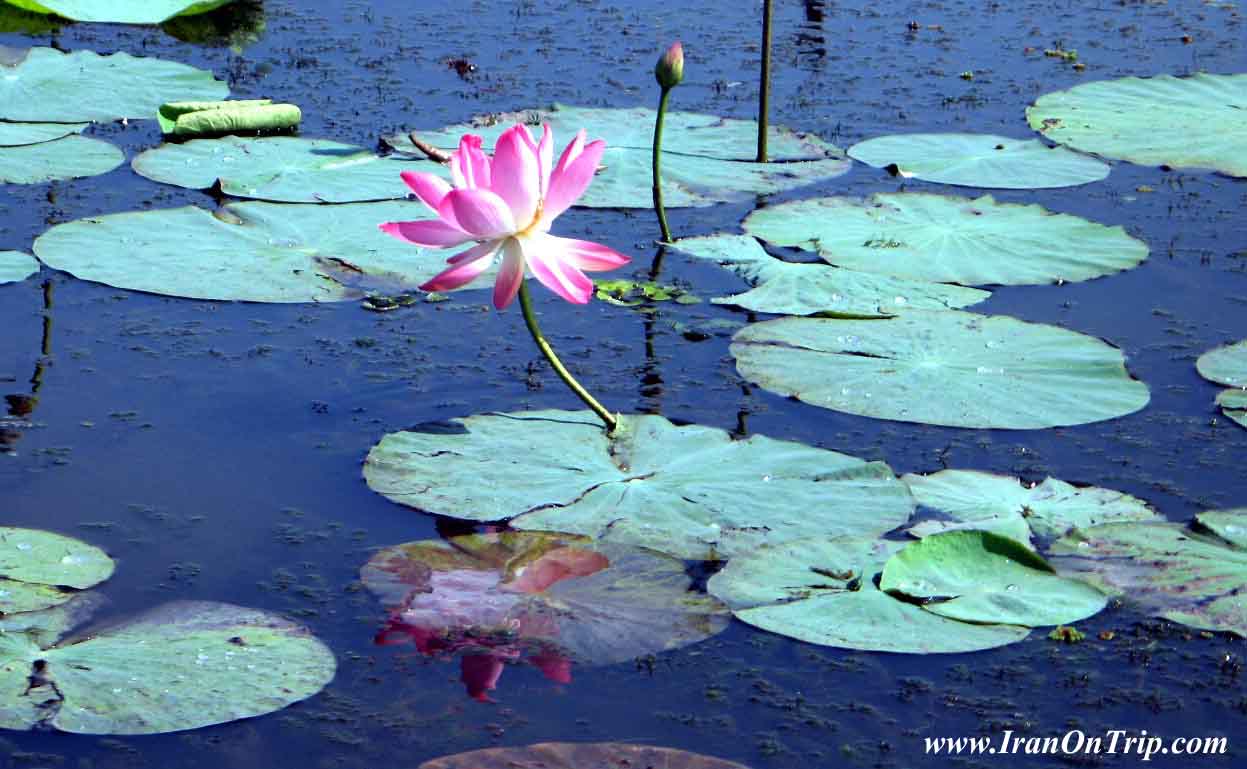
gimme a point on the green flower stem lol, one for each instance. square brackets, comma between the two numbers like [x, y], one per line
[658, 206]
[764, 87]
[530, 319]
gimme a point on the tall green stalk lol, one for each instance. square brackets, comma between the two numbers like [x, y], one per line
[658, 206]
[764, 87]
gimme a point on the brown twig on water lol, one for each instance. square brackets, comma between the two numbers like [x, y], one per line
[431, 152]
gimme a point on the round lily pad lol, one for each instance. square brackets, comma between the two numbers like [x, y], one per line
[1009, 507]
[805, 289]
[1186, 122]
[1225, 365]
[255, 252]
[21, 134]
[285, 169]
[71, 157]
[690, 491]
[40, 567]
[823, 591]
[978, 576]
[15, 266]
[944, 368]
[705, 157]
[183, 665]
[979, 160]
[47, 85]
[119, 11]
[579, 755]
[950, 239]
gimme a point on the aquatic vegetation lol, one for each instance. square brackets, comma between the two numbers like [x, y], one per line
[196, 118]
[1228, 366]
[71, 157]
[669, 71]
[119, 11]
[43, 569]
[16, 266]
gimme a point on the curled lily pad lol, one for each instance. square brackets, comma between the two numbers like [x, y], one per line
[15, 266]
[945, 368]
[705, 157]
[71, 157]
[823, 591]
[40, 567]
[979, 160]
[1007, 506]
[21, 134]
[47, 85]
[183, 665]
[806, 289]
[978, 576]
[279, 168]
[579, 755]
[255, 252]
[950, 239]
[201, 118]
[118, 11]
[690, 491]
[1163, 120]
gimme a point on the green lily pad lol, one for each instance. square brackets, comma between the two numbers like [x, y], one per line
[279, 168]
[1225, 365]
[950, 239]
[254, 252]
[45, 626]
[705, 157]
[235, 25]
[201, 118]
[1186, 122]
[71, 157]
[1233, 404]
[823, 591]
[690, 491]
[979, 160]
[21, 134]
[40, 567]
[118, 11]
[805, 289]
[978, 576]
[14, 20]
[579, 755]
[1007, 506]
[634, 293]
[15, 266]
[1167, 569]
[48, 85]
[183, 665]
[943, 368]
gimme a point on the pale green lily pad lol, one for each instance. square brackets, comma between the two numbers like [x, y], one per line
[48, 85]
[944, 368]
[254, 252]
[823, 591]
[15, 266]
[39, 567]
[705, 157]
[950, 239]
[21, 134]
[119, 11]
[978, 576]
[1007, 506]
[183, 665]
[280, 168]
[1233, 404]
[979, 160]
[45, 626]
[1169, 570]
[1225, 365]
[71, 157]
[690, 491]
[201, 118]
[1187, 122]
[805, 289]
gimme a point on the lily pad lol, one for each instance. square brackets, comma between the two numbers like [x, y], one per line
[979, 160]
[805, 289]
[950, 239]
[47, 85]
[119, 11]
[943, 368]
[40, 567]
[1225, 365]
[201, 118]
[15, 266]
[1011, 508]
[21, 134]
[579, 755]
[978, 576]
[280, 168]
[72, 157]
[1176, 573]
[1233, 404]
[254, 252]
[45, 626]
[705, 157]
[823, 591]
[1182, 122]
[690, 491]
[183, 665]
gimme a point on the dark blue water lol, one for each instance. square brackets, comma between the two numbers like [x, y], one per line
[214, 449]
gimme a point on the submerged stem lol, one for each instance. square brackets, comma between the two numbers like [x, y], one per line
[530, 319]
[658, 206]
[764, 86]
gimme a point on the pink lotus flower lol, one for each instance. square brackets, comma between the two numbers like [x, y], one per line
[506, 205]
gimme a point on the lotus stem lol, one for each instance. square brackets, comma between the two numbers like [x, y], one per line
[764, 86]
[658, 206]
[530, 319]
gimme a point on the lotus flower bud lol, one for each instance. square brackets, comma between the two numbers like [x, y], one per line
[670, 67]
